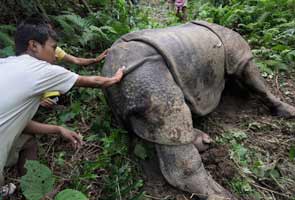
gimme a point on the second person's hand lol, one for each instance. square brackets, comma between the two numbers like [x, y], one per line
[102, 55]
[72, 136]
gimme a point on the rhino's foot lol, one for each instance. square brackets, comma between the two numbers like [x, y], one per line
[182, 167]
[284, 110]
[211, 189]
[202, 141]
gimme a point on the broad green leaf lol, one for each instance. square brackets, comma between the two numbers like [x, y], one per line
[274, 174]
[69, 194]
[37, 182]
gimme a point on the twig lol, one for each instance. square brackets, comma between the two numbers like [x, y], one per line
[157, 198]
[273, 196]
[269, 190]
[118, 186]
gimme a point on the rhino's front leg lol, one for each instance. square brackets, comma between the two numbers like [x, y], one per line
[182, 167]
[251, 77]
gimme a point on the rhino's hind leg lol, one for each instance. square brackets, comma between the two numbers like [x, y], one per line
[182, 167]
[250, 76]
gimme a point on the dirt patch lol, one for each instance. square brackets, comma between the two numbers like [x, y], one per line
[217, 160]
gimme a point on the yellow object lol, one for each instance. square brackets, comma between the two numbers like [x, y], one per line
[50, 94]
[59, 53]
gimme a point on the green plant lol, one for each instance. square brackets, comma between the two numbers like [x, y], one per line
[39, 181]
[7, 43]
[119, 182]
[267, 25]
[70, 194]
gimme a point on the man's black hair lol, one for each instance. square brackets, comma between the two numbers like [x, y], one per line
[30, 29]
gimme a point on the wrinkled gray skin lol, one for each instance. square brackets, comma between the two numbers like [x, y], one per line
[170, 73]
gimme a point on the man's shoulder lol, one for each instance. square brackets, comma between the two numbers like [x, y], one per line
[19, 59]
[29, 64]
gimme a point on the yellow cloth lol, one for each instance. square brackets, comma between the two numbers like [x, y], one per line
[59, 53]
[50, 94]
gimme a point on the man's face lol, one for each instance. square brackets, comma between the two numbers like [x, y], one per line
[46, 52]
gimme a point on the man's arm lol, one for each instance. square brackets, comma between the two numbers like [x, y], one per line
[34, 127]
[79, 61]
[99, 81]
[84, 61]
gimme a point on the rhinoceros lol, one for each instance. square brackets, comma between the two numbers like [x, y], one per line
[172, 73]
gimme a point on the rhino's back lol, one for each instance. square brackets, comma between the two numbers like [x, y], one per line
[237, 50]
[193, 54]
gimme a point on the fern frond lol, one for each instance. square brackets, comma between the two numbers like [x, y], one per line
[67, 28]
[76, 20]
[87, 36]
[99, 31]
[108, 29]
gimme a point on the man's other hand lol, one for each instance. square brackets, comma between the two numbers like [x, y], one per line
[72, 136]
[119, 74]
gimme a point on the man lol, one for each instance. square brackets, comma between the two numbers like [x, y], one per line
[23, 80]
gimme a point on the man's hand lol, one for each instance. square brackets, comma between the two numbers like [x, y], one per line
[102, 55]
[100, 81]
[72, 136]
[48, 103]
[34, 127]
[119, 74]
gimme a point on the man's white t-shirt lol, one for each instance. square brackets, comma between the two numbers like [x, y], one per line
[23, 80]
